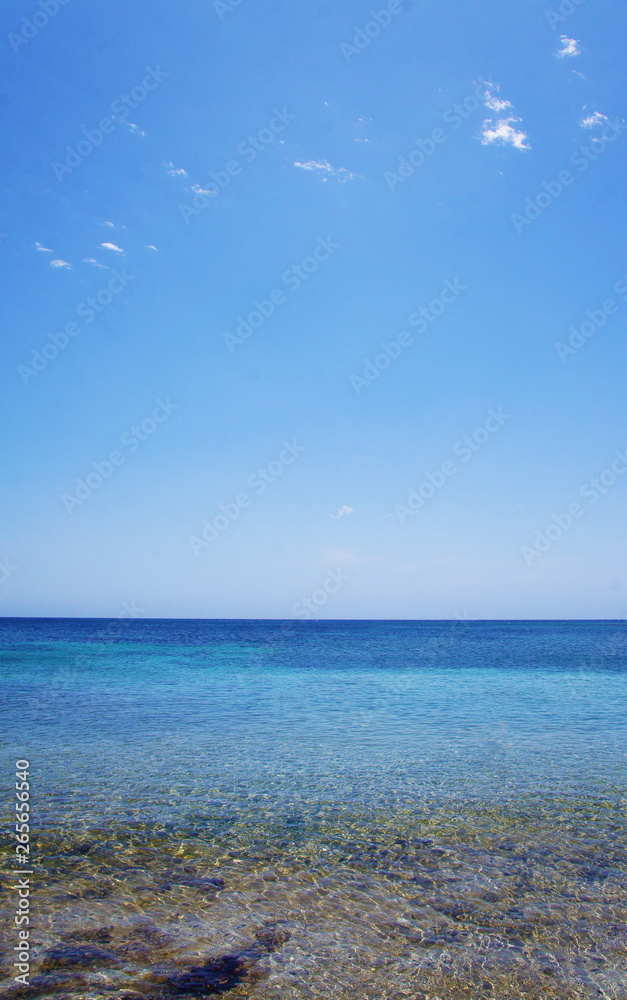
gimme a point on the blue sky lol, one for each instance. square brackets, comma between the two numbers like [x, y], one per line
[310, 158]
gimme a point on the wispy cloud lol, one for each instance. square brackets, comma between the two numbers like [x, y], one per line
[173, 171]
[197, 189]
[111, 246]
[362, 123]
[495, 103]
[342, 512]
[150, 246]
[324, 168]
[594, 119]
[43, 249]
[132, 127]
[569, 47]
[60, 263]
[92, 260]
[504, 130]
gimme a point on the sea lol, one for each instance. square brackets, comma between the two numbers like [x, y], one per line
[372, 810]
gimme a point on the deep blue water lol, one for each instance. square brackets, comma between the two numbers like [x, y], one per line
[335, 809]
[369, 712]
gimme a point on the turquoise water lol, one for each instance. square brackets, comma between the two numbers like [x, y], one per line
[338, 809]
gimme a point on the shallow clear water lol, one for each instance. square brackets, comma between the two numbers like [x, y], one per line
[321, 809]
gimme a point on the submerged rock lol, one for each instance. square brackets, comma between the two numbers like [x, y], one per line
[218, 975]
[101, 935]
[85, 847]
[272, 938]
[224, 973]
[64, 956]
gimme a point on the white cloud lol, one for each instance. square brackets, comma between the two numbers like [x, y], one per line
[595, 119]
[496, 103]
[111, 246]
[92, 260]
[173, 171]
[505, 130]
[324, 167]
[569, 47]
[111, 225]
[314, 165]
[342, 511]
[134, 128]
[60, 263]
[150, 246]
[362, 123]
[197, 189]
[43, 249]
